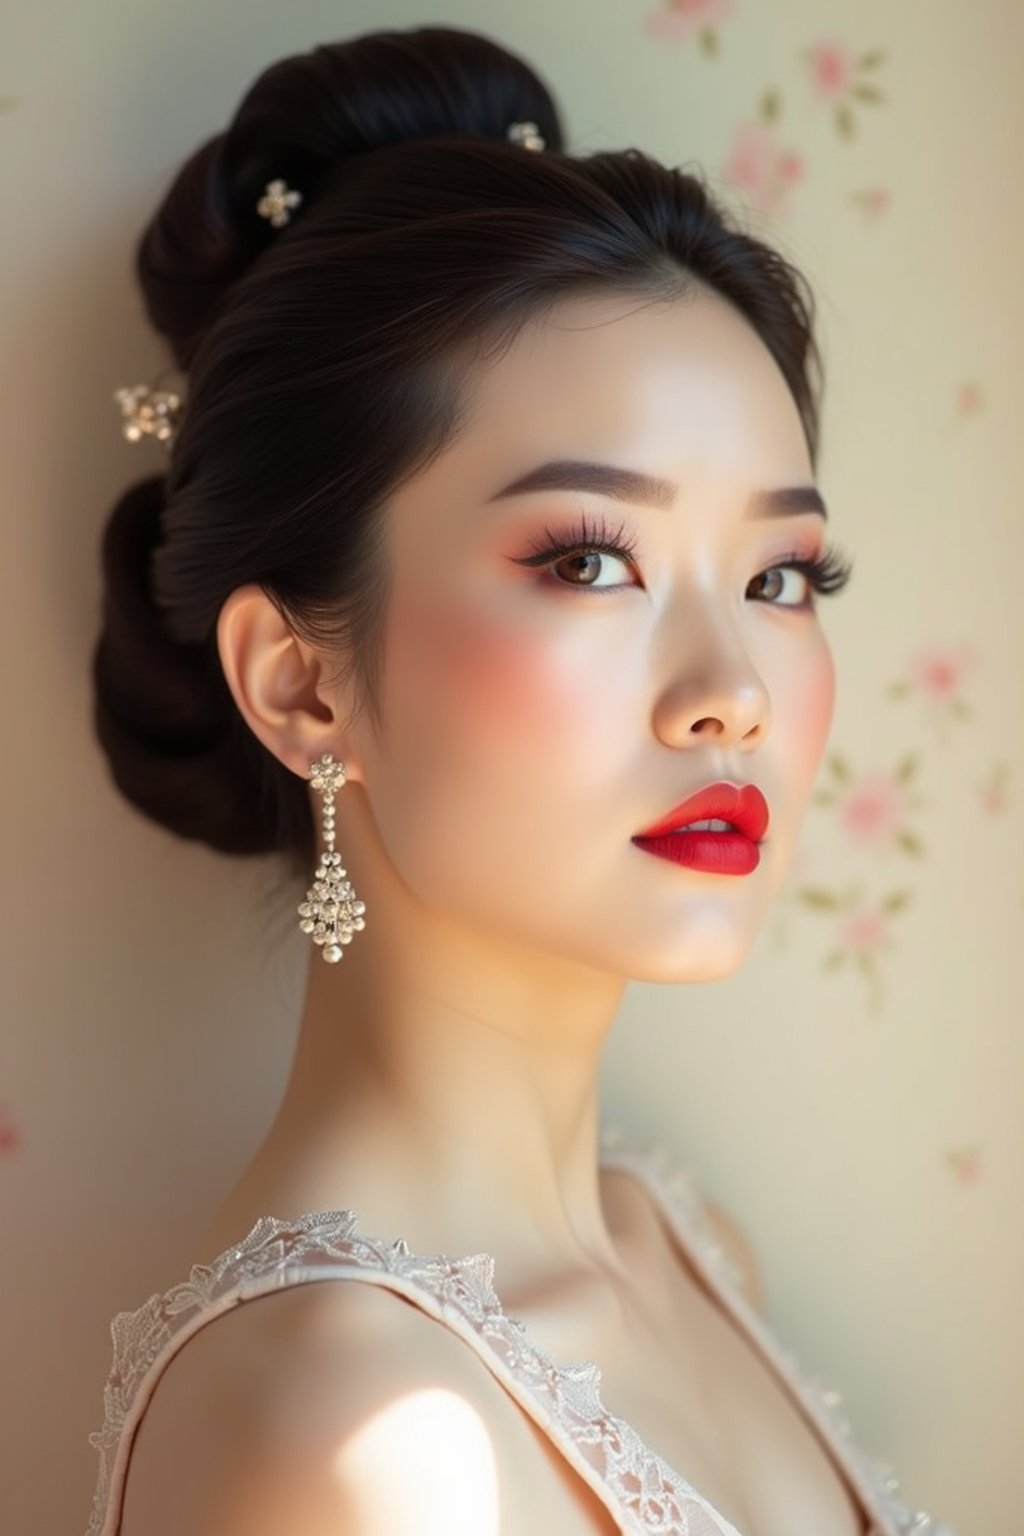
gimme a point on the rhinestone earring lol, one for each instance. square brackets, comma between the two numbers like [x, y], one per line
[330, 912]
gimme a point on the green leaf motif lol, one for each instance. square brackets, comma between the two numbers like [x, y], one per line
[871, 59]
[961, 708]
[897, 901]
[709, 41]
[866, 92]
[822, 797]
[844, 120]
[839, 767]
[816, 896]
[908, 841]
[771, 106]
[835, 958]
[907, 768]
[897, 690]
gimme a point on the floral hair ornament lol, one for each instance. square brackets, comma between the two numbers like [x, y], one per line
[278, 198]
[526, 134]
[147, 412]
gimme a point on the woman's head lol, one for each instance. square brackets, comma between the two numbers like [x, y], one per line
[443, 315]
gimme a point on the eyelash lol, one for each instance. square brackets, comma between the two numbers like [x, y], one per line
[827, 574]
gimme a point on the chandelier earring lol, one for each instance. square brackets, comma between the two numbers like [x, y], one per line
[330, 913]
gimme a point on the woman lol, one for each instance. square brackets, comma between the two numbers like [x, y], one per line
[444, 380]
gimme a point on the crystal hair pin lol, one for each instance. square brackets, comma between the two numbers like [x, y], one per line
[526, 134]
[277, 201]
[147, 412]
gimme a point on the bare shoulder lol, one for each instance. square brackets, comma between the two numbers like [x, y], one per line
[738, 1247]
[341, 1406]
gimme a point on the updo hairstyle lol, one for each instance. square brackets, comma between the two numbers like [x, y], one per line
[332, 358]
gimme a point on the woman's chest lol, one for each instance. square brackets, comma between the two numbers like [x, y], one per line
[695, 1387]
[698, 1391]
[734, 1433]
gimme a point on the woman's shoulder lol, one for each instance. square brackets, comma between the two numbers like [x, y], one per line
[293, 1412]
[336, 1407]
[297, 1367]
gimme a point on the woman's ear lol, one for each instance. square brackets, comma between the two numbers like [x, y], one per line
[280, 683]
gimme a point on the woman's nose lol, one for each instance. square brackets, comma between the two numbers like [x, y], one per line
[714, 695]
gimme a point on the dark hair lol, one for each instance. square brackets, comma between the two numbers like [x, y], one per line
[328, 361]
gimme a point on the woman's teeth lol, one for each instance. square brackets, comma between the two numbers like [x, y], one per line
[712, 825]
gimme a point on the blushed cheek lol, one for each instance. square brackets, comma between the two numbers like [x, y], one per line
[804, 714]
[490, 682]
[517, 686]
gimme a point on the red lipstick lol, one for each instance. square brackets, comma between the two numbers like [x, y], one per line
[726, 852]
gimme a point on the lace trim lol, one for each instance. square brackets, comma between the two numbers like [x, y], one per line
[605, 1450]
[683, 1204]
[644, 1493]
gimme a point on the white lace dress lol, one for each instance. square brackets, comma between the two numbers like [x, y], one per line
[646, 1496]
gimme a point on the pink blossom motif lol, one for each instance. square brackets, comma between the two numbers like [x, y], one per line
[864, 930]
[968, 399]
[790, 166]
[993, 796]
[874, 810]
[9, 1137]
[678, 20]
[762, 170]
[832, 66]
[939, 671]
[965, 1162]
[875, 202]
[838, 79]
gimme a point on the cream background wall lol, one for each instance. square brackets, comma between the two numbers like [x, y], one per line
[854, 1094]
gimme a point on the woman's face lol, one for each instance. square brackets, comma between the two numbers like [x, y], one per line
[538, 717]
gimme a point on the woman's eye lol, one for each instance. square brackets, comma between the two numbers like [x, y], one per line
[586, 567]
[583, 552]
[774, 585]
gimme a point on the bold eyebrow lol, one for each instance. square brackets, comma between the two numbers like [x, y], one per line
[648, 490]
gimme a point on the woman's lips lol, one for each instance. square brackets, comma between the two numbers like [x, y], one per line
[742, 805]
[720, 853]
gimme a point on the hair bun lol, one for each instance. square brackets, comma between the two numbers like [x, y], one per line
[177, 746]
[155, 700]
[302, 118]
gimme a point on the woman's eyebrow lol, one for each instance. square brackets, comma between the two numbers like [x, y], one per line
[634, 485]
